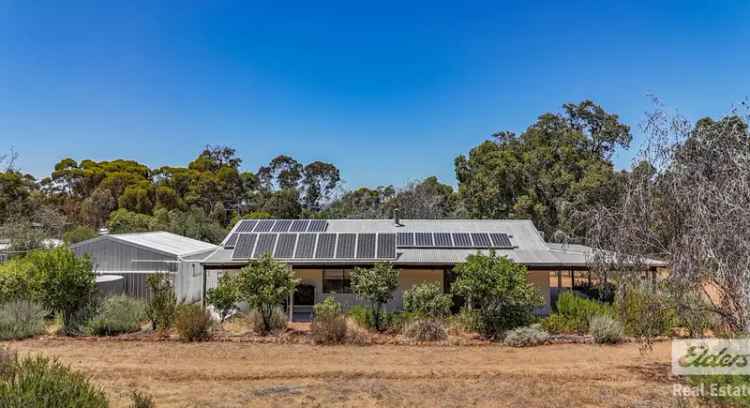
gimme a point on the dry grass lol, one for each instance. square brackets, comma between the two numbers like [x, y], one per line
[231, 374]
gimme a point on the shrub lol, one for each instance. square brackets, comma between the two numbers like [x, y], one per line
[557, 324]
[466, 320]
[68, 285]
[277, 322]
[526, 336]
[646, 312]
[20, 319]
[18, 281]
[396, 321]
[192, 322]
[376, 286]
[118, 314]
[606, 330]
[161, 308]
[329, 324]
[39, 381]
[578, 310]
[425, 329]
[224, 297]
[361, 315]
[428, 300]
[500, 291]
[141, 400]
[265, 284]
[79, 234]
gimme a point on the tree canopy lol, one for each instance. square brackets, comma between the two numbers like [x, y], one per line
[559, 165]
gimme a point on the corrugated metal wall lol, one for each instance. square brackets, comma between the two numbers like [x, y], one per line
[113, 257]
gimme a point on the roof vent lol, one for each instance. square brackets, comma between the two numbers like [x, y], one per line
[397, 217]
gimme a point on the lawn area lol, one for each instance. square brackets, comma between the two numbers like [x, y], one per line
[233, 374]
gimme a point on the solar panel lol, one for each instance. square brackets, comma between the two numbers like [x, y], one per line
[281, 226]
[443, 240]
[366, 246]
[481, 240]
[244, 246]
[500, 240]
[266, 242]
[462, 240]
[346, 246]
[424, 239]
[405, 239]
[264, 226]
[386, 246]
[285, 247]
[231, 241]
[317, 226]
[326, 246]
[306, 246]
[299, 226]
[246, 226]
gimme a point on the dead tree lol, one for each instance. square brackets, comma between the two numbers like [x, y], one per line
[687, 202]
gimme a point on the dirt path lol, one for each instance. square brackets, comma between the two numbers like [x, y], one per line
[240, 374]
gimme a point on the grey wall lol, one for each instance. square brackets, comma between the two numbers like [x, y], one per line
[109, 256]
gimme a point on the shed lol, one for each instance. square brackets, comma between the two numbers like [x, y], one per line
[136, 256]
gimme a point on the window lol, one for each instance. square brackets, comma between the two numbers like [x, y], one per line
[337, 281]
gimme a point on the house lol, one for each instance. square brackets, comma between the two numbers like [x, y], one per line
[136, 256]
[323, 253]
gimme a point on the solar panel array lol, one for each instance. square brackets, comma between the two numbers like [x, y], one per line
[308, 245]
[275, 226]
[453, 240]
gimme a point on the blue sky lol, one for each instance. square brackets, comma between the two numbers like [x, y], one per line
[388, 91]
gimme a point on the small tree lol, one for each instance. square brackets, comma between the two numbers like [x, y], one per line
[264, 284]
[224, 296]
[67, 283]
[499, 289]
[376, 286]
[427, 300]
[162, 306]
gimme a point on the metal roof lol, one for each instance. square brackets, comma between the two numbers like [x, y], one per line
[529, 247]
[160, 241]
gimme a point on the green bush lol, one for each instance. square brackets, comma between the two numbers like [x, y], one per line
[646, 311]
[559, 324]
[117, 314]
[427, 300]
[606, 330]
[576, 311]
[67, 283]
[276, 323]
[41, 382]
[78, 234]
[18, 281]
[361, 315]
[466, 320]
[526, 336]
[425, 329]
[225, 296]
[193, 323]
[162, 306]
[141, 400]
[264, 285]
[329, 324]
[375, 285]
[20, 319]
[499, 289]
